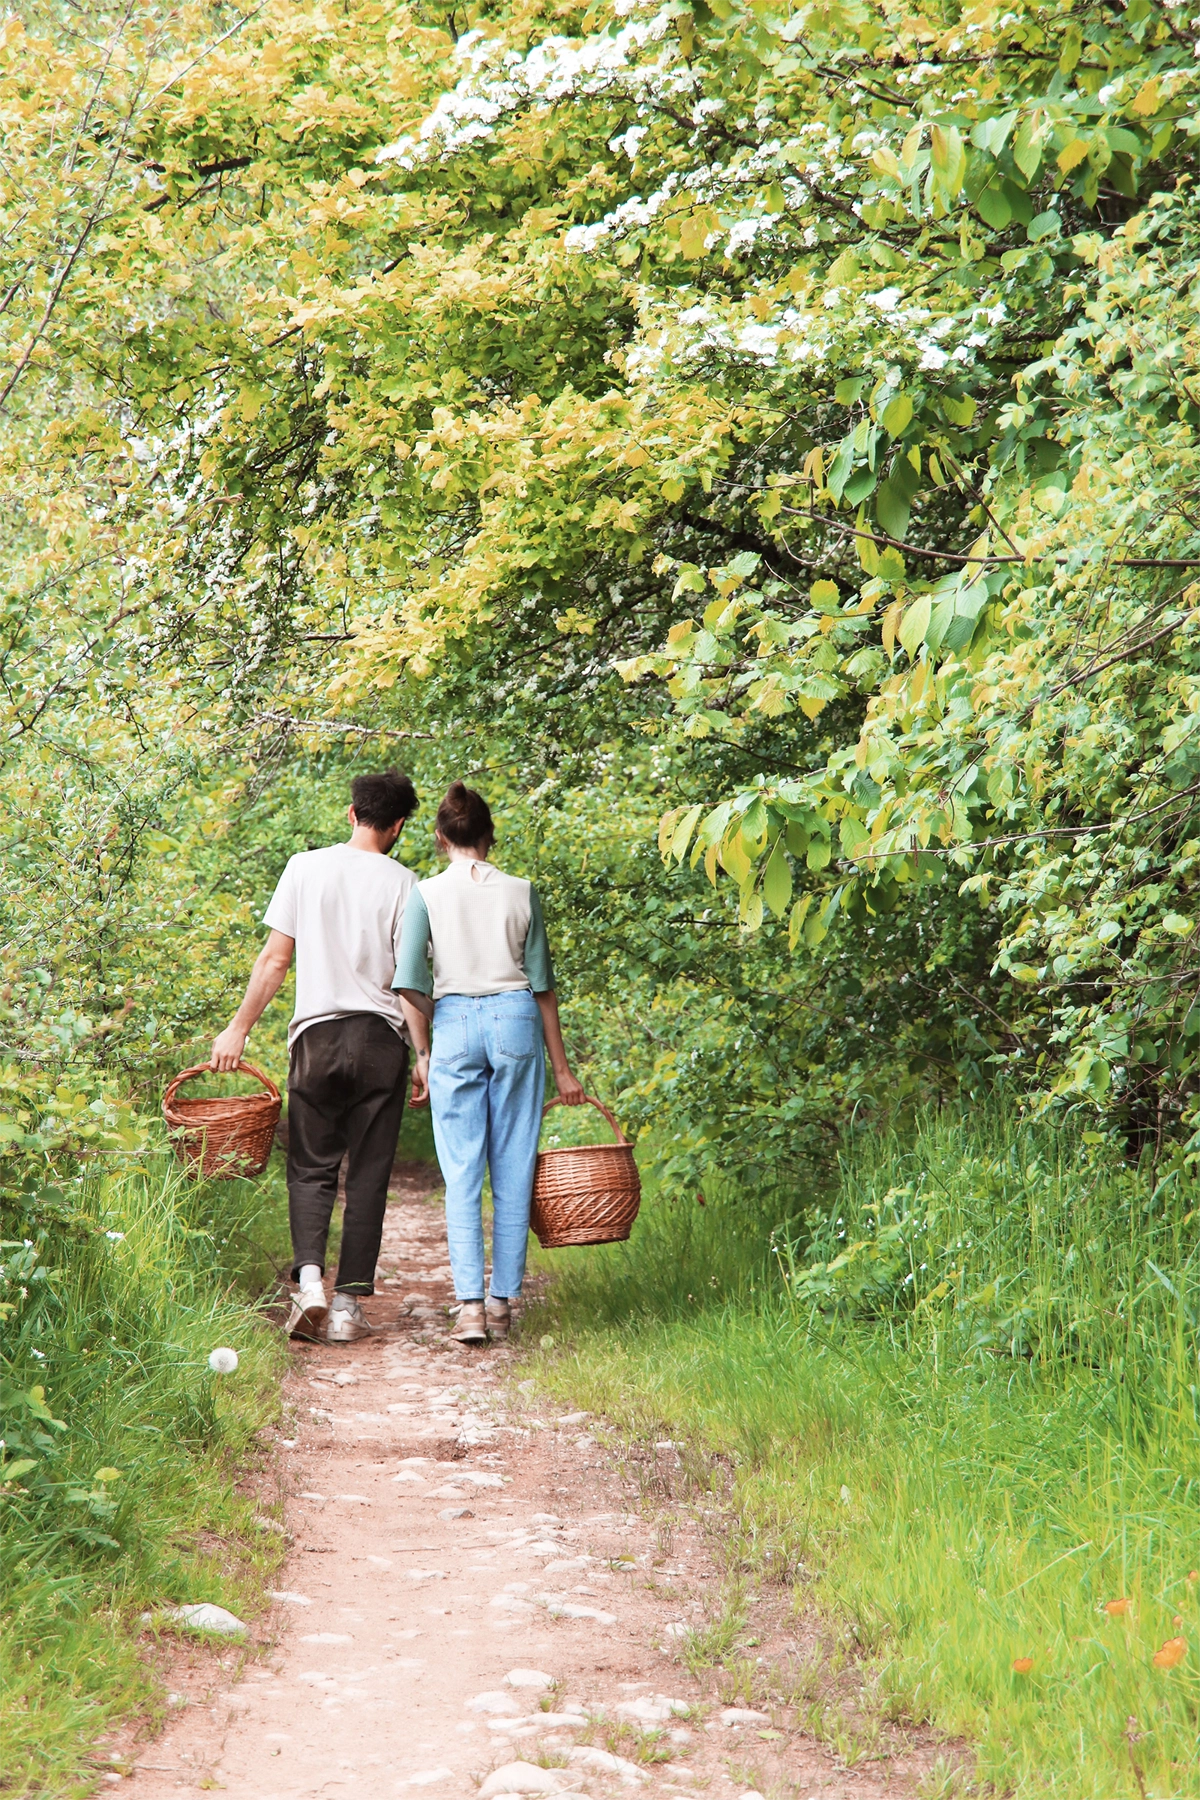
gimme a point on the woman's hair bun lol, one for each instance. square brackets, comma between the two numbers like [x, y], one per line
[464, 818]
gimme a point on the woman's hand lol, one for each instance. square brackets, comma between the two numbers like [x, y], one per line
[420, 1080]
[570, 1091]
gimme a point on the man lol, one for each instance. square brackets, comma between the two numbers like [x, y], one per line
[339, 909]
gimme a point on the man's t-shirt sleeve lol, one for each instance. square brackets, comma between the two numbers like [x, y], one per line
[538, 966]
[413, 968]
[281, 913]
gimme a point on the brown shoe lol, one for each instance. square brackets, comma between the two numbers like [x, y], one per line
[499, 1320]
[470, 1326]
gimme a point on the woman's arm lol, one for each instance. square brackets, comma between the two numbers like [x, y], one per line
[570, 1091]
[417, 1012]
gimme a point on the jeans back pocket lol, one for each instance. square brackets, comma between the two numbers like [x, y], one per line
[517, 1030]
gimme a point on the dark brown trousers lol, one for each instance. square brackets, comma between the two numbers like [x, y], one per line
[346, 1089]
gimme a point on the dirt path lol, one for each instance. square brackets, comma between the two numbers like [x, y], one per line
[472, 1584]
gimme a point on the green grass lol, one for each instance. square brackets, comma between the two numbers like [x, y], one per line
[955, 1410]
[132, 1492]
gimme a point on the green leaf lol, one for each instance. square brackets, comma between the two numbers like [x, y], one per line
[682, 834]
[13, 1471]
[897, 414]
[796, 922]
[1027, 152]
[993, 208]
[777, 880]
[949, 159]
[960, 410]
[915, 624]
[819, 852]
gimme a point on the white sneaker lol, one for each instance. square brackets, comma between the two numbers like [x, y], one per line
[309, 1312]
[347, 1321]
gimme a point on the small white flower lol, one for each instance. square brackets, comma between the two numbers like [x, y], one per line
[40, 1354]
[223, 1362]
[116, 1237]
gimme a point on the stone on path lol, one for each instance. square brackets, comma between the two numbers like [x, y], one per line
[742, 1715]
[204, 1616]
[588, 1758]
[530, 1678]
[566, 1609]
[524, 1778]
[652, 1709]
[493, 1703]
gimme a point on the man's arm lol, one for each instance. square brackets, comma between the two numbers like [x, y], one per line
[266, 979]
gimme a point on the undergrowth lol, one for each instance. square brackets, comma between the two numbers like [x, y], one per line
[119, 1488]
[955, 1410]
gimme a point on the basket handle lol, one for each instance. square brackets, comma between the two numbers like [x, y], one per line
[600, 1108]
[206, 1069]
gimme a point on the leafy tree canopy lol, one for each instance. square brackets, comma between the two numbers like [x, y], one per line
[779, 421]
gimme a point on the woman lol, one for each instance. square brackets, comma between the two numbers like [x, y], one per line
[495, 1013]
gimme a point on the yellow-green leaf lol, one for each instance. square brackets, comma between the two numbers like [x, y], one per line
[777, 880]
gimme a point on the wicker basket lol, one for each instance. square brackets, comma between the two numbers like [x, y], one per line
[587, 1194]
[220, 1139]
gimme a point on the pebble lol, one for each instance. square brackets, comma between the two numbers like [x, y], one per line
[565, 1609]
[456, 1512]
[530, 1678]
[524, 1778]
[203, 1616]
[652, 1709]
[742, 1715]
[588, 1758]
[493, 1703]
[288, 1598]
[677, 1629]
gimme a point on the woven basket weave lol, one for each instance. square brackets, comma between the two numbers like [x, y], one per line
[585, 1194]
[219, 1139]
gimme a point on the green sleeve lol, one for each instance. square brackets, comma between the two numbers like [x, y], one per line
[413, 968]
[538, 966]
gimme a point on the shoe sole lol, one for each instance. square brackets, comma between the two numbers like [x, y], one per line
[468, 1337]
[307, 1327]
[348, 1337]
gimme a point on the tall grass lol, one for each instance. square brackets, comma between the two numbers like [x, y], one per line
[122, 1449]
[960, 1401]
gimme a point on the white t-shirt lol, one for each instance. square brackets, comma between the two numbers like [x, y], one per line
[344, 908]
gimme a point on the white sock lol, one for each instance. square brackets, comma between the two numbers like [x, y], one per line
[310, 1275]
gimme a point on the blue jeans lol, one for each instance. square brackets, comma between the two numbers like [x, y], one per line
[487, 1078]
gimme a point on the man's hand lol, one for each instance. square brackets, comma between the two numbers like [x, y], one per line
[227, 1049]
[570, 1091]
[420, 1080]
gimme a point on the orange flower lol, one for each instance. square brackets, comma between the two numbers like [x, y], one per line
[1193, 1575]
[1171, 1654]
[1022, 1665]
[1116, 1608]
